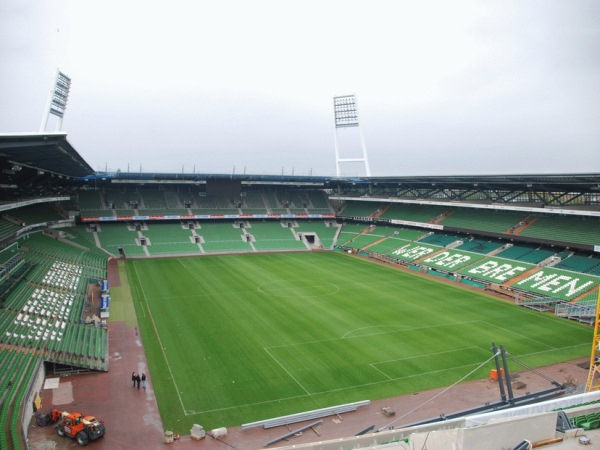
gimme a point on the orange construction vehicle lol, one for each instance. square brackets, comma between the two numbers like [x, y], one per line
[79, 427]
[48, 418]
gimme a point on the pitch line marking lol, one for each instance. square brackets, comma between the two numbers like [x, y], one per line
[332, 390]
[162, 348]
[520, 335]
[380, 371]
[399, 328]
[373, 365]
[491, 299]
[551, 350]
[286, 371]
[360, 385]
[432, 354]
[373, 334]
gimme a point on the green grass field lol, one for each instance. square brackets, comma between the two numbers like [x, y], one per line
[239, 338]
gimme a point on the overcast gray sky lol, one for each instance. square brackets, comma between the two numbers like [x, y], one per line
[443, 87]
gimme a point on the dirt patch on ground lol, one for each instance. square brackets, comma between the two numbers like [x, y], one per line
[112, 270]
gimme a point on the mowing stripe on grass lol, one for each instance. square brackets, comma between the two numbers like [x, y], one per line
[232, 353]
[143, 297]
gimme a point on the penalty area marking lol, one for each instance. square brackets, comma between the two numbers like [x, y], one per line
[406, 328]
[520, 335]
[286, 371]
[426, 355]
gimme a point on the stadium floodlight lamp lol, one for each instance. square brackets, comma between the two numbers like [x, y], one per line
[345, 112]
[57, 100]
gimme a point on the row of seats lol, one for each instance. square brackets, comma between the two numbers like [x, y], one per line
[574, 287]
[169, 199]
[16, 373]
[586, 421]
[168, 238]
[556, 228]
[44, 310]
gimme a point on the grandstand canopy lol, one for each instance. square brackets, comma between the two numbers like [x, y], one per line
[546, 182]
[46, 163]
[45, 152]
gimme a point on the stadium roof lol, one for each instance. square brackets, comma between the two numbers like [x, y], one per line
[53, 154]
[545, 182]
[47, 152]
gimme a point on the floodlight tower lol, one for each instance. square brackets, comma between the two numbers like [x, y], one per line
[345, 112]
[57, 100]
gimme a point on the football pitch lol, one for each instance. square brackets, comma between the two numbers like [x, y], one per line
[234, 339]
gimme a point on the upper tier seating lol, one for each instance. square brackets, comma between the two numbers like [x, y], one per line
[482, 220]
[578, 263]
[565, 229]
[413, 213]
[358, 209]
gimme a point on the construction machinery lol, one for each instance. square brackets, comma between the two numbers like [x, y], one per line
[48, 418]
[593, 381]
[79, 427]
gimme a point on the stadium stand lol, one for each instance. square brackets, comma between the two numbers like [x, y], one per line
[153, 199]
[326, 231]
[253, 201]
[536, 256]
[38, 213]
[16, 369]
[169, 238]
[90, 200]
[361, 241]
[576, 263]
[387, 245]
[273, 236]
[355, 228]
[121, 199]
[318, 201]
[271, 199]
[113, 236]
[556, 283]
[564, 229]
[223, 237]
[7, 227]
[47, 308]
[83, 236]
[481, 220]
[480, 246]
[441, 240]
[413, 213]
[516, 251]
[359, 209]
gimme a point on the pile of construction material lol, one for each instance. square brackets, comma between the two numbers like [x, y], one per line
[197, 432]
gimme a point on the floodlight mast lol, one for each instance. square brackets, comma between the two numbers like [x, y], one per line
[345, 112]
[57, 100]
